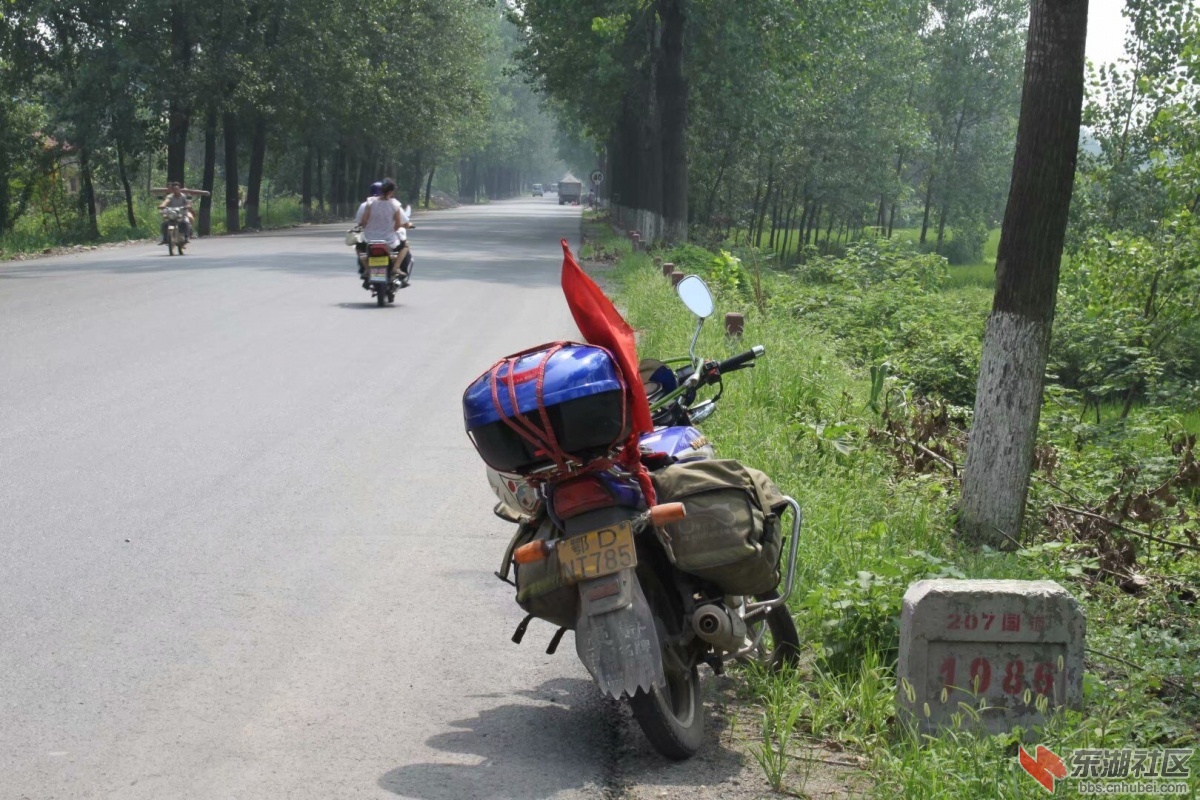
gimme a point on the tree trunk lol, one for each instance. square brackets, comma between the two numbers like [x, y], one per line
[204, 227]
[944, 212]
[413, 196]
[805, 210]
[650, 174]
[756, 240]
[5, 193]
[89, 192]
[178, 112]
[229, 128]
[123, 174]
[306, 184]
[774, 218]
[754, 210]
[672, 98]
[928, 203]
[320, 182]
[177, 134]
[1009, 392]
[258, 154]
[712, 192]
[429, 185]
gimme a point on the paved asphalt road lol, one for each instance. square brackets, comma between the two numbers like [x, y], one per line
[246, 549]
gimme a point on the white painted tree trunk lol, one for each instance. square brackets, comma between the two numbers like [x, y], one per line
[1000, 451]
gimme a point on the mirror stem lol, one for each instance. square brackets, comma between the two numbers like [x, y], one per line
[696, 338]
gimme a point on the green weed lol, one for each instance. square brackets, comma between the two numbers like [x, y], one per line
[804, 415]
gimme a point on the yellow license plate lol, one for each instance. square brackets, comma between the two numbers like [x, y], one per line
[377, 261]
[601, 552]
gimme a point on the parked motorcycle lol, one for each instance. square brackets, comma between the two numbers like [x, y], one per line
[175, 217]
[651, 590]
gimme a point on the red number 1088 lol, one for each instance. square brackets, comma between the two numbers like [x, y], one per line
[1012, 677]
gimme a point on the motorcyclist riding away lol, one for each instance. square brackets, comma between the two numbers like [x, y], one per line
[387, 220]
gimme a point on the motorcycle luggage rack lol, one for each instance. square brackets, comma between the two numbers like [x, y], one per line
[754, 611]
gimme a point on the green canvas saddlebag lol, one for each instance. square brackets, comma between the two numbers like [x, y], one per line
[732, 535]
[540, 590]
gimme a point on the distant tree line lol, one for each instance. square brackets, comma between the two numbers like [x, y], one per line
[315, 98]
[792, 123]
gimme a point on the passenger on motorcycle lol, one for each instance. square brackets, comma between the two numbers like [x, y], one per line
[361, 247]
[174, 200]
[371, 197]
[385, 219]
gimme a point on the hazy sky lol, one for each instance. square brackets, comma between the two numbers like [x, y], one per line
[1106, 31]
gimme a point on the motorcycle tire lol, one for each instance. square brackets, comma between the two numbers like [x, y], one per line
[170, 248]
[381, 298]
[783, 650]
[673, 717]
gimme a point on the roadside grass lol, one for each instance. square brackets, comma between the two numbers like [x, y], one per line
[980, 274]
[803, 415]
[601, 242]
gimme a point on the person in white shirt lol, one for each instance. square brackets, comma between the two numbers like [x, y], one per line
[371, 196]
[361, 247]
[387, 220]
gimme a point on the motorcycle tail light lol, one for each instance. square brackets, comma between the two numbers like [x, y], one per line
[579, 496]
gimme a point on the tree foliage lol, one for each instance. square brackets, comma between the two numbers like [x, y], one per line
[319, 98]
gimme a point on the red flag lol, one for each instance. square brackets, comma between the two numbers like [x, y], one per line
[601, 324]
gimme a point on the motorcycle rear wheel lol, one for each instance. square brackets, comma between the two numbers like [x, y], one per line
[673, 717]
[381, 298]
[170, 248]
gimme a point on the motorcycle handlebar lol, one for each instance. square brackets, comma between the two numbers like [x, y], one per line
[739, 361]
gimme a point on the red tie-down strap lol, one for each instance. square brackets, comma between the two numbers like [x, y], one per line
[542, 439]
[631, 459]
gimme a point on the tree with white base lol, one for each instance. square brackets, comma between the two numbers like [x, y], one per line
[1008, 397]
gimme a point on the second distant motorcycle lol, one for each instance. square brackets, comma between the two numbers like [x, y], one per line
[174, 218]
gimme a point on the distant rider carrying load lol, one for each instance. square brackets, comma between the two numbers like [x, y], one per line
[177, 199]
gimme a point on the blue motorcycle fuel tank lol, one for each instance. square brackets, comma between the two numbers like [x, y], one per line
[682, 442]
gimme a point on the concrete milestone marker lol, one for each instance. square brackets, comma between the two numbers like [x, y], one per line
[1004, 645]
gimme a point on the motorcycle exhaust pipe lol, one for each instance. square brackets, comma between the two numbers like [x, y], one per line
[715, 625]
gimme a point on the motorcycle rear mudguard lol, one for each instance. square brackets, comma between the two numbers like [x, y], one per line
[615, 635]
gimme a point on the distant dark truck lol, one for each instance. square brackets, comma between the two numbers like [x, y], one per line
[569, 192]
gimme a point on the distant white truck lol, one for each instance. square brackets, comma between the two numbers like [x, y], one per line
[570, 190]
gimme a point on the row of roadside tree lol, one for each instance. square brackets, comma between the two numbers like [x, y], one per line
[315, 99]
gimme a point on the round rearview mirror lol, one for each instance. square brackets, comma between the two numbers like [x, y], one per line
[694, 293]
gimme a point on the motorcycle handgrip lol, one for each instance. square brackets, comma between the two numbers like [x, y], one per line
[730, 364]
[665, 513]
